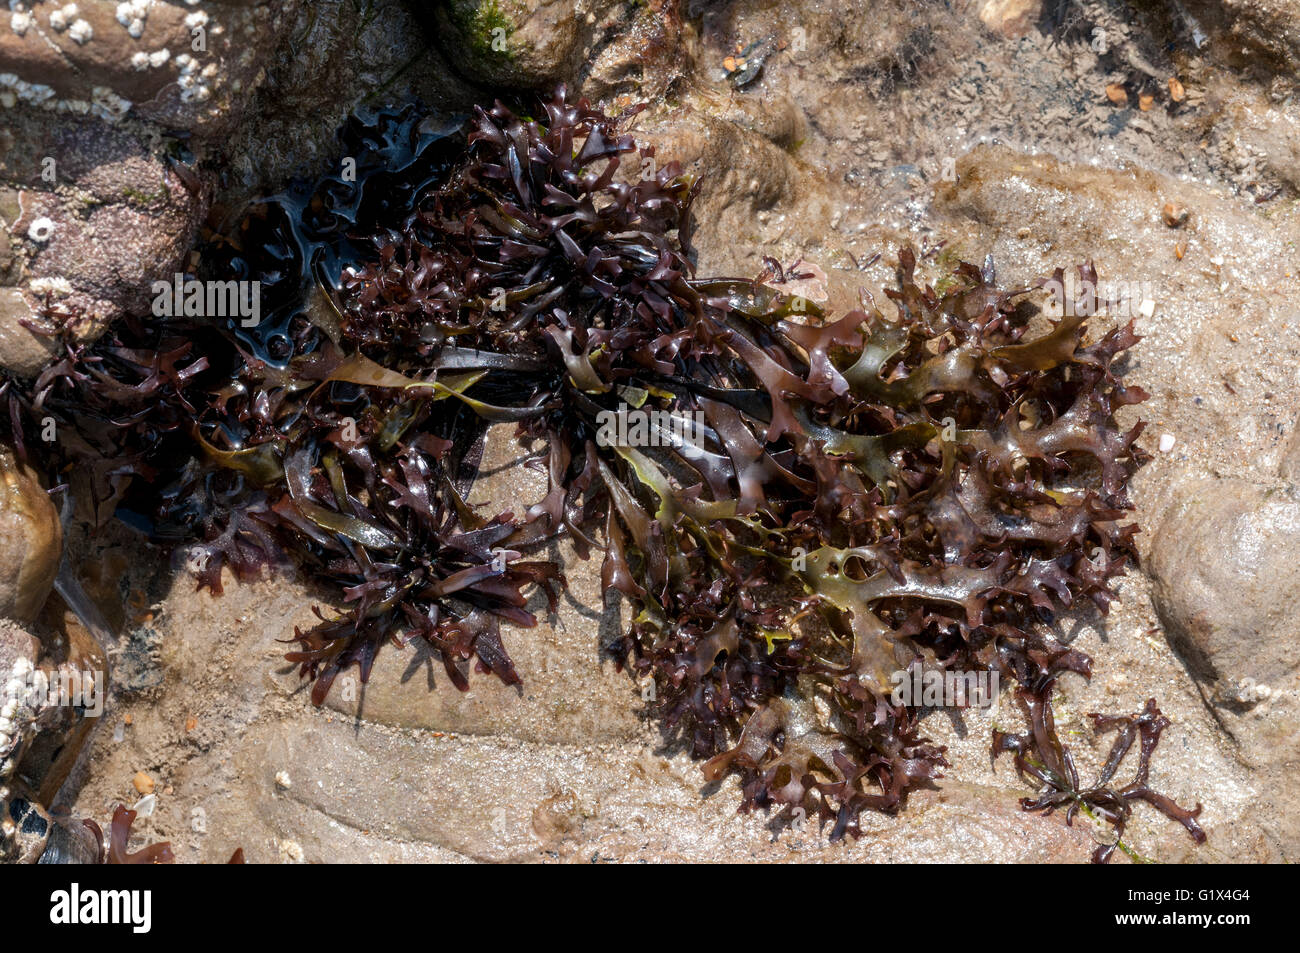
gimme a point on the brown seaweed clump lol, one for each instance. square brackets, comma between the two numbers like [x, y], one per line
[793, 504]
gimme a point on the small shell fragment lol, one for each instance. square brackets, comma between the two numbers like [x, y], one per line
[1167, 441]
[145, 806]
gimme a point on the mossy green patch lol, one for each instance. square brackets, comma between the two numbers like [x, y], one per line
[486, 26]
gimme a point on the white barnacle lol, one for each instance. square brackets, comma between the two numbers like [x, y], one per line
[140, 61]
[81, 32]
[20, 22]
[158, 57]
[35, 93]
[41, 230]
[132, 16]
[107, 104]
[56, 286]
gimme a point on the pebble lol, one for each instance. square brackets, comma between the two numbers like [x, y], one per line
[1174, 214]
[143, 783]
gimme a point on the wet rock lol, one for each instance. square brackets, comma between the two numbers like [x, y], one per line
[1010, 17]
[1225, 566]
[31, 541]
[1225, 562]
[636, 53]
[336, 53]
[16, 643]
[24, 828]
[178, 64]
[18, 653]
[842, 39]
[1261, 137]
[1212, 300]
[490, 798]
[533, 43]
[569, 694]
[99, 215]
[1244, 32]
[71, 842]
[747, 179]
[1289, 467]
[22, 351]
[602, 47]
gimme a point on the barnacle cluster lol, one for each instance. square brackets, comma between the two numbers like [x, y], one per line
[846, 496]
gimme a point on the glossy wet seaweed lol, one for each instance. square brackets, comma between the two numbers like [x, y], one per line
[868, 491]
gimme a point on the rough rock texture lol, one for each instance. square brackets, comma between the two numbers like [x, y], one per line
[1226, 583]
[1010, 17]
[18, 654]
[24, 829]
[95, 216]
[31, 541]
[186, 65]
[339, 56]
[119, 193]
[1289, 467]
[97, 99]
[604, 46]
[1241, 30]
